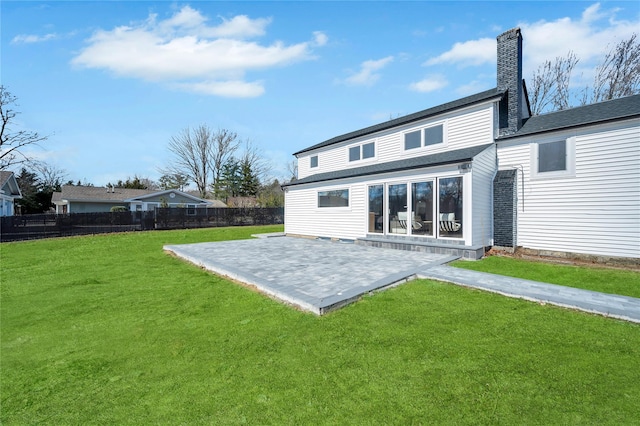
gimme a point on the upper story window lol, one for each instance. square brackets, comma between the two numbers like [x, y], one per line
[426, 137]
[362, 152]
[314, 161]
[553, 159]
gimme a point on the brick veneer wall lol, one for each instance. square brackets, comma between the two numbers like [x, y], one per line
[505, 208]
[509, 78]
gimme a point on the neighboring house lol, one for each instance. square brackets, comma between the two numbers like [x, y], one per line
[89, 199]
[9, 192]
[480, 172]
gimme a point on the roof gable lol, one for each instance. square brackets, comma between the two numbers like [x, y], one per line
[9, 184]
[420, 115]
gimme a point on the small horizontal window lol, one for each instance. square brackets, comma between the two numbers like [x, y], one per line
[433, 135]
[412, 140]
[337, 198]
[368, 150]
[314, 161]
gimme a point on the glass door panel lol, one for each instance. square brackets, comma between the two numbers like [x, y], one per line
[450, 207]
[422, 208]
[398, 209]
[376, 209]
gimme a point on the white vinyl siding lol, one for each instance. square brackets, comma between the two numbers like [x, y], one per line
[595, 212]
[462, 129]
[481, 196]
[303, 217]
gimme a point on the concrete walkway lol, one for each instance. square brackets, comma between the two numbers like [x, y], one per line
[320, 276]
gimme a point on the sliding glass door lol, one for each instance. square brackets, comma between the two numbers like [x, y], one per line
[398, 208]
[422, 208]
[450, 207]
[376, 209]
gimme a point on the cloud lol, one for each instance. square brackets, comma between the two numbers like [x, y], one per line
[30, 38]
[185, 52]
[229, 88]
[590, 36]
[429, 84]
[367, 74]
[472, 52]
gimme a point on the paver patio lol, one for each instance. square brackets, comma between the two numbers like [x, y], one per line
[320, 276]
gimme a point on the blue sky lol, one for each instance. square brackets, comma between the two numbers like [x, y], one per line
[111, 82]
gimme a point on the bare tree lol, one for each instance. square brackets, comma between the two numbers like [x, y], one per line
[619, 73]
[50, 176]
[225, 144]
[550, 88]
[292, 170]
[200, 154]
[192, 150]
[13, 142]
[253, 157]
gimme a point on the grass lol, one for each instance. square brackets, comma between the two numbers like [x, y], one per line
[111, 330]
[605, 280]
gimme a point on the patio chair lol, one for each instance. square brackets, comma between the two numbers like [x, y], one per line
[448, 223]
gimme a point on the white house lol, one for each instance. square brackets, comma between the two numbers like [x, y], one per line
[9, 192]
[480, 172]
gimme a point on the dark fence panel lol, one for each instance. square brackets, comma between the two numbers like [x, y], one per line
[13, 228]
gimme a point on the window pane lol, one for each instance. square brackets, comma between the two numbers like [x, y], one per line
[338, 198]
[368, 150]
[552, 156]
[398, 209]
[314, 161]
[354, 153]
[412, 140]
[450, 214]
[433, 135]
[422, 208]
[376, 208]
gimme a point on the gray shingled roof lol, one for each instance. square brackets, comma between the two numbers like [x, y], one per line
[439, 159]
[97, 193]
[602, 112]
[13, 185]
[464, 102]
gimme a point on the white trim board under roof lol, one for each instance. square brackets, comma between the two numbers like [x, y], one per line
[439, 159]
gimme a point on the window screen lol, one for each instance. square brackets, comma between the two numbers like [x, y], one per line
[552, 157]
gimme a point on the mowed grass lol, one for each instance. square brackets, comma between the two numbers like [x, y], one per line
[604, 280]
[111, 330]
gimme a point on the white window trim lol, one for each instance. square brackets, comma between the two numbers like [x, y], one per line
[560, 174]
[360, 145]
[317, 162]
[334, 208]
[422, 146]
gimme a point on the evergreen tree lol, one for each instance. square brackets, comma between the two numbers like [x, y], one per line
[249, 183]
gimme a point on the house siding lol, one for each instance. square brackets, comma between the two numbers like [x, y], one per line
[303, 217]
[483, 170]
[595, 212]
[469, 127]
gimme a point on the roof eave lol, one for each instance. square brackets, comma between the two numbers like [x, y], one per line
[490, 97]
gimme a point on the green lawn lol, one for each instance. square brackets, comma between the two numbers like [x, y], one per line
[110, 330]
[605, 280]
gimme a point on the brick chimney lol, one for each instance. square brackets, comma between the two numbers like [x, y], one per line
[510, 80]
